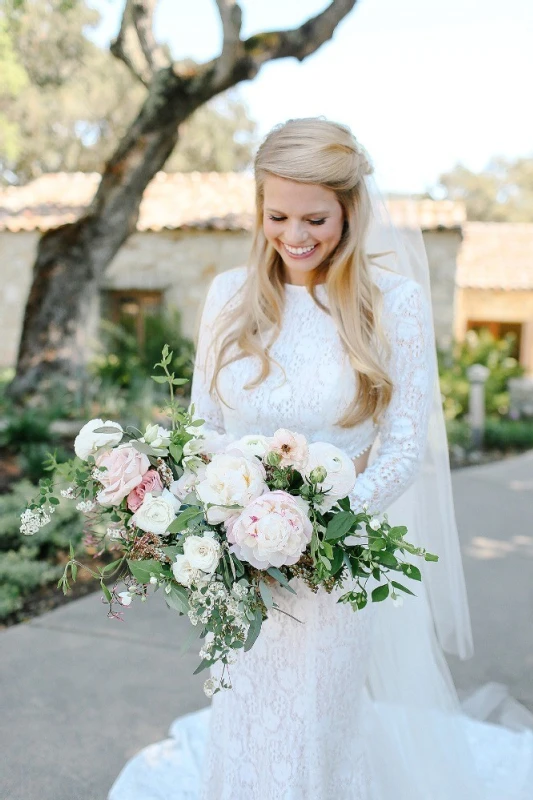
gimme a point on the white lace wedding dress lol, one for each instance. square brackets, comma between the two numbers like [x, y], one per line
[311, 715]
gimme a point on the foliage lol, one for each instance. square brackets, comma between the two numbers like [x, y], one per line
[70, 102]
[502, 192]
[478, 347]
[508, 434]
[26, 565]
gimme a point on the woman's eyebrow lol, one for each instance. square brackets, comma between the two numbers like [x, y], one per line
[311, 213]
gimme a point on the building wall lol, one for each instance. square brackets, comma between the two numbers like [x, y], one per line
[181, 265]
[500, 306]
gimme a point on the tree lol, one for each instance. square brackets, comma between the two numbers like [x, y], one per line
[503, 192]
[70, 102]
[72, 258]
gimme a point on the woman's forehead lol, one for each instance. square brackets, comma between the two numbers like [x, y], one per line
[281, 194]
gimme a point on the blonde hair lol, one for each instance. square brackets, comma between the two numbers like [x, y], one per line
[324, 153]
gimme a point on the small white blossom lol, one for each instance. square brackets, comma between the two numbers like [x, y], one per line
[32, 520]
[125, 598]
[115, 533]
[153, 580]
[192, 617]
[68, 493]
[85, 506]
[210, 686]
[375, 524]
[397, 600]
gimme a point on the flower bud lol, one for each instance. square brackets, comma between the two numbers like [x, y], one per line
[273, 459]
[318, 474]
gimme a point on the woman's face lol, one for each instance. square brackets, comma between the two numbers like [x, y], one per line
[303, 222]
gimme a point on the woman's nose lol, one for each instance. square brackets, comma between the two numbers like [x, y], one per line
[295, 234]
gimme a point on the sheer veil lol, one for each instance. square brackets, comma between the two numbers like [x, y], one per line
[424, 744]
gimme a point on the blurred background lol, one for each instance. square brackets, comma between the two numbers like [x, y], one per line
[99, 272]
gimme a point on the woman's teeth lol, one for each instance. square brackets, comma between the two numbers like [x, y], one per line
[298, 251]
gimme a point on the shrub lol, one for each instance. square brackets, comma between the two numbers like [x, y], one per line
[508, 434]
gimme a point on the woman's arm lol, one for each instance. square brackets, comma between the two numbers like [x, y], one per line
[403, 426]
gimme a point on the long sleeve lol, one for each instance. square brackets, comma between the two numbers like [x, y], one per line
[404, 425]
[206, 406]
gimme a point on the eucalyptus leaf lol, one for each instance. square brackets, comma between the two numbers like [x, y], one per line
[266, 594]
[107, 429]
[254, 630]
[202, 665]
[178, 598]
[276, 573]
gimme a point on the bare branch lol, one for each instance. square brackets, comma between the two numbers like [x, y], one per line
[135, 44]
[232, 47]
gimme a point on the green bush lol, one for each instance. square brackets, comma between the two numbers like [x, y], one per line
[479, 347]
[28, 562]
[508, 434]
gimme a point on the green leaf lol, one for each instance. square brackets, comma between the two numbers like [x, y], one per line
[74, 571]
[172, 550]
[159, 378]
[397, 532]
[402, 587]
[340, 525]
[430, 557]
[196, 423]
[107, 429]
[141, 570]
[53, 500]
[412, 572]
[281, 578]
[387, 559]
[266, 594]
[178, 598]
[377, 544]
[182, 520]
[107, 593]
[112, 566]
[176, 451]
[202, 665]
[344, 504]
[179, 381]
[380, 593]
[337, 561]
[254, 630]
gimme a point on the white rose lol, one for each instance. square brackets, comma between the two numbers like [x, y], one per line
[87, 442]
[187, 483]
[340, 471]
[230, 480]
[253, 445]
[203, 552]
[183, 571]
[156, 512]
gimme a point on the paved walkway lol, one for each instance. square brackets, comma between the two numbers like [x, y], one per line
[81, 694]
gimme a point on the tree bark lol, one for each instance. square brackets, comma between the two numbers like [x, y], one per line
[72, 259]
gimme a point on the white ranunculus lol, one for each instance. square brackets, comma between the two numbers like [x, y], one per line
[340, 471]
[187, 483]
[87, 442]
[230, 480]
[156, 512]
[183, 570]
[203, 552]
[252, 445]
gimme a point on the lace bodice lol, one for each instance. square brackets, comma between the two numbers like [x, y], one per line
[319, 382]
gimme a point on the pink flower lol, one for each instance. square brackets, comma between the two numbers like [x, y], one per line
[273, 530]
[292, 447]
[151, 482]
[125, 468]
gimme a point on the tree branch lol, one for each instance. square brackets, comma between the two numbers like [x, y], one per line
[232, 47]
[135, 44]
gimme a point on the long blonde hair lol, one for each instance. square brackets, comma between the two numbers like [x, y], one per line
[314, 151]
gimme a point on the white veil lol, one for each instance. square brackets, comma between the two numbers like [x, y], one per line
[423, 746]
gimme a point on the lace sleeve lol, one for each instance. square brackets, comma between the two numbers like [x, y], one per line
[206, 406]
[404, 424]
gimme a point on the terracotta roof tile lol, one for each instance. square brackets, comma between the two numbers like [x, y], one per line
[496, 255]
[198, 200]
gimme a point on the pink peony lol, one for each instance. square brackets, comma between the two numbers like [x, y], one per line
[151, 482]
[125, 468]
[292, 447]
[273, 530]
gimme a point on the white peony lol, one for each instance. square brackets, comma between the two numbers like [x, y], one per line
[156, 512]
[183, 570]
[202, 552]
[272, 531]
[230, 480]
[252, 445]
[187, 483]
[340, 471]
[87, 442]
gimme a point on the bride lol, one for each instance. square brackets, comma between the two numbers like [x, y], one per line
[329, 332]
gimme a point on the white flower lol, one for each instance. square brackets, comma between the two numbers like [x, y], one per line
[272, 531]
[125, 598]
[210, 686]
[87, 442]
[291, 447]
[68, 493]
[252, 445]
[206, 442]
[153, 580]
[340, 471]
[158, 438]
[230, 480]
[183, 571]
[156, 512]
[375, 524]
[32, 521]
[202, 552]
[188, 482]
[85, 506]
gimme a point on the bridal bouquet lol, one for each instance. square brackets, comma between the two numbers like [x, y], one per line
[218, 524]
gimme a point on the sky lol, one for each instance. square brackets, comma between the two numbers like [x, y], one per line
[423, 84]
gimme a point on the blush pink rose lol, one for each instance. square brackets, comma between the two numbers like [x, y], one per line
[151, 482]
[125, 468]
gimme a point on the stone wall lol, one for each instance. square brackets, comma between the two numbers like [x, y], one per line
[181, 265]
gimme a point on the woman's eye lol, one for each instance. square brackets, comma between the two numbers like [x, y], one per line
[276, 219]
[317, 221]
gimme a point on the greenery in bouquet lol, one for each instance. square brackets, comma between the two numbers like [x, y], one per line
[224, 527]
